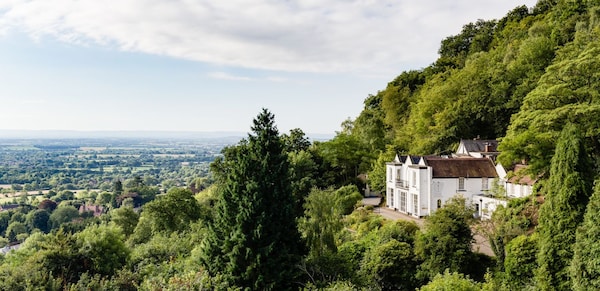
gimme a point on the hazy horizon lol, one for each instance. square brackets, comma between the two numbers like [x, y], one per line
[212, 66]
[60, 134]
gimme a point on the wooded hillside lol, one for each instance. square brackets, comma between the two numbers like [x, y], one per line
[518, 79]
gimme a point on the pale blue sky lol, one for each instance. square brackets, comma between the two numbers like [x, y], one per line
[199, 66]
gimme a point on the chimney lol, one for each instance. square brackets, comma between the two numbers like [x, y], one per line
[487, 147]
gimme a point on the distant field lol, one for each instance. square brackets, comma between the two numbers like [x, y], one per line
[133, 169]
[108, 155]
[10, 199]
[93, 148]
[174, 155]
[20, 147]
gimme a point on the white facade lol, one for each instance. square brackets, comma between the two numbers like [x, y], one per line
[518, 185]
[518, 190]
[486, 205]
[418, 186]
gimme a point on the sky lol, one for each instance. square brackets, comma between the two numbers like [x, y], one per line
[197, 65]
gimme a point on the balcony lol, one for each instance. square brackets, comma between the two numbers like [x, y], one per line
[402, 184]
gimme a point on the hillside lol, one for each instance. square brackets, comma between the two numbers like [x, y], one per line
[518, 79]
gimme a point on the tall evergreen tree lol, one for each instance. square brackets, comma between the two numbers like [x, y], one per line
[254, 241]
[567, 194]
[585, 266]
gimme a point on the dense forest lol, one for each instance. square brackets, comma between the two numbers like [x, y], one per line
[283, 213]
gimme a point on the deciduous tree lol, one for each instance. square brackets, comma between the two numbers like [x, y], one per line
[446, 241]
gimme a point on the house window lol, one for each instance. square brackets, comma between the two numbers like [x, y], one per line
[484, 183]
[461, 183]
[389, 172]
[403, 201]
[392, 197]
[415, 204]
[439, 203]
[414, 179]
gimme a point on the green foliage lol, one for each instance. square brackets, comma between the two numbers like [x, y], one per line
[125, 218]
[398, 96]
[296, 141]
[399, 230]
[346, 155]
[173, 211]
[567, 92]
[321, 223]
[584, 269]
[377, 175]
[341, 286]
[347, 197]
[370, 127]
[520, 262]
[567, 193]
[63, 196]
[391, 266]
[63, 214]
[364, 221]
[207, 199]
[474, 37]
[450, 281]
[446, 241]
[507, 223]
[150, 258]
[380, 255]
[303, 177]
[103, 249]
[254, 241]
[39, 219]
[15, 229]
[4, 221]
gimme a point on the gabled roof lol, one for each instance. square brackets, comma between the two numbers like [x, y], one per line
[461, 167]
[479, 145]
[415, 159]
[402, 159]
[408, 159]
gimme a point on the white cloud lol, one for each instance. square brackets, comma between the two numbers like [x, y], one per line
[227, 76]
[232, 77]
[368, 36]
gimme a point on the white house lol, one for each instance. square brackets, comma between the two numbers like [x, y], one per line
[418, 186]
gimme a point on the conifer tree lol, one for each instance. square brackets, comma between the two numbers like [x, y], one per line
[567, 193]
[254, 241]
[585, 266]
